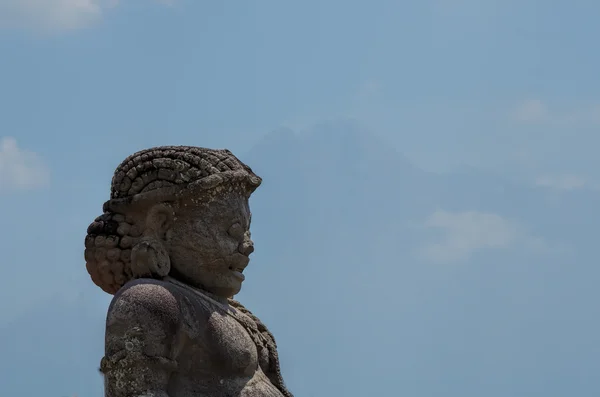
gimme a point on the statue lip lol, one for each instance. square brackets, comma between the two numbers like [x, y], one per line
[241, 263]
[238, 274]
[238, 269]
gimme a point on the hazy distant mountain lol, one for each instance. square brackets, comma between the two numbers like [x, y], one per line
[337, 224]
[352, 237]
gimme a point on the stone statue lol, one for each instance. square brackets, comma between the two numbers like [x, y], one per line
[172, 246]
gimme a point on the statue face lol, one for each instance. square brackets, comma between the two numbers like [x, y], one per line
[209, 244]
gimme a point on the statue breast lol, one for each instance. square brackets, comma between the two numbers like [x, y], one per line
[231, 344]
[214, 340]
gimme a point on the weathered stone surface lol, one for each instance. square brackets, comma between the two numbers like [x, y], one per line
[172, 246]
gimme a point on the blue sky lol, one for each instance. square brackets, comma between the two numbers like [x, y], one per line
[492, 289]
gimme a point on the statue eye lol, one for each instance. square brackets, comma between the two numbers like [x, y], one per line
[236, 231]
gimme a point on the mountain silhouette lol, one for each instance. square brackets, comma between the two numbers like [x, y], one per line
[338, 224]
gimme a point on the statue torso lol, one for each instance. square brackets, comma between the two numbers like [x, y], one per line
[217, 355]
[205, 348]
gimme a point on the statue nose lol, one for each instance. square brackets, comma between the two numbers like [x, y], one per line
[246, 247]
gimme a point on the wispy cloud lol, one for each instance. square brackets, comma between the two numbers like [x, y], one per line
[531, 110]
[462, 234]
[50, 14]
[55, 15]
[369, 89]
[537, 111]
[20, 169]
[564, 182]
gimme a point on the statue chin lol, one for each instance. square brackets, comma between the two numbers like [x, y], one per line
[229, 291]
[173, 330]
[223, 288]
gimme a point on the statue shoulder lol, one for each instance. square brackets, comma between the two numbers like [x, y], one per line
[145, 304]
[142, 329]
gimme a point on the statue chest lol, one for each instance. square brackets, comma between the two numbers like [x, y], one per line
[220, 341]
[231, 344]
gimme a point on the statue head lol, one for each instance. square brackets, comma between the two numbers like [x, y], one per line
[175, 211]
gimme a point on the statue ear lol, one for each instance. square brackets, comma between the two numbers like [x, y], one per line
[149, 258]
[159, 221]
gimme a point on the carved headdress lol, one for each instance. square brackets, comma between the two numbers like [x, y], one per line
[146, 178]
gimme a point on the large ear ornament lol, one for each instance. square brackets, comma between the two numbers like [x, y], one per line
[149, 258]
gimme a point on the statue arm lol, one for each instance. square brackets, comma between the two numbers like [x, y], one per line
[141, 328]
